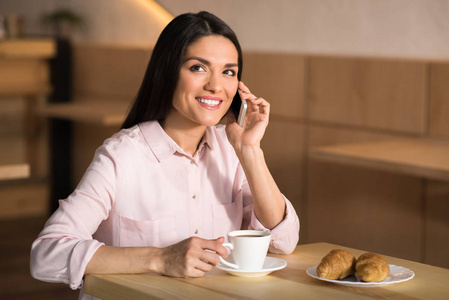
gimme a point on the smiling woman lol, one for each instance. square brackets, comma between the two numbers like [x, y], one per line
[155, 96]
[207, 83]
[161, 194]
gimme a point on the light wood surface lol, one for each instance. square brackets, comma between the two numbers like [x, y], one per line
[290, 283]
[417, 157]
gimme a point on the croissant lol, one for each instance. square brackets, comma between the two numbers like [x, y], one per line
[372, 267]
[337, 264]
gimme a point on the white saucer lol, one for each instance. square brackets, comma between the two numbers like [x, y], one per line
[397, 274]
[271, 264]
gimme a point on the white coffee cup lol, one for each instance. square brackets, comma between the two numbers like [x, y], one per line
[249, 249]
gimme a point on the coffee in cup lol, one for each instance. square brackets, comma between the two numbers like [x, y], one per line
[249, 249]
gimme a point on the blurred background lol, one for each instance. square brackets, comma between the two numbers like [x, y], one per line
[359, 130]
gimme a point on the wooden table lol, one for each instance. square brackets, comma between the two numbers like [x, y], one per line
[290, 283]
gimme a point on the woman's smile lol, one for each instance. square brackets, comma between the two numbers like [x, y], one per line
[209, 102]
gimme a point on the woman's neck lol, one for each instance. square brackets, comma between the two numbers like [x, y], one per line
[186, 134]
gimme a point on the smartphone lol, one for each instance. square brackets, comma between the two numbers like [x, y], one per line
[239, 107]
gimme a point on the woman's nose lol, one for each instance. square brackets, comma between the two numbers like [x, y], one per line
[213, 84]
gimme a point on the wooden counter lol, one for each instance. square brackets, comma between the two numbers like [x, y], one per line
[415, 157]
[290, 283]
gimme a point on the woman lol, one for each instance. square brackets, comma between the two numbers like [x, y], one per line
[161, 194]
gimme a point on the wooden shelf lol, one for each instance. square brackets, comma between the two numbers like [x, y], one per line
[24, 66]
[415, 157]
[106, 114]
[14, 171]
[36, 48]
[24, 72]
[29, 90]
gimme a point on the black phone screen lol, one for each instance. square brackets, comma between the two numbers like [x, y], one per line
[235, 105]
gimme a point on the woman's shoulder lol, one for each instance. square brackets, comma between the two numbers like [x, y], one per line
[123, 140]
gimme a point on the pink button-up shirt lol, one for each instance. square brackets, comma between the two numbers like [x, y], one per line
[142, 189]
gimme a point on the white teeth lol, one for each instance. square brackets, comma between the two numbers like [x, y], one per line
[209, 102]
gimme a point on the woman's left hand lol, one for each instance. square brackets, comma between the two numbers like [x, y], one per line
[256, 121]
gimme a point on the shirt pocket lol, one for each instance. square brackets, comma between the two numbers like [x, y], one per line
[152, 233]
[227, 217]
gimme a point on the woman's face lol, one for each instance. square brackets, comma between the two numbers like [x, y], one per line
[207, 82]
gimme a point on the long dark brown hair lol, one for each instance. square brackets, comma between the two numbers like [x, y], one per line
[154, 99]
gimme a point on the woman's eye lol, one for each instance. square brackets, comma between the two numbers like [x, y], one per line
[229, 72]
[197, 68]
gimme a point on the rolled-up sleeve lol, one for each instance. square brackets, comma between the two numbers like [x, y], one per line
[285, 236]
[65, 246]
[63, 249]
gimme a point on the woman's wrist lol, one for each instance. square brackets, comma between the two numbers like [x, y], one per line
[248, 154]
[153, 260]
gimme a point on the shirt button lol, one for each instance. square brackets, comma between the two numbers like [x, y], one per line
[192, 162]
[194, 196]
[196, 231]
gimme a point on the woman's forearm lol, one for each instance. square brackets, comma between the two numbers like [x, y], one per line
[124, 260]
[269, 204]
[192, 257]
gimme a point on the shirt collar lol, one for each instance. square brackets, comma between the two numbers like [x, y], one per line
[208, 139]
[163, 146]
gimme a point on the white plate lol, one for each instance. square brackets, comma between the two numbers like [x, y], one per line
[397, 274]
[271, 264]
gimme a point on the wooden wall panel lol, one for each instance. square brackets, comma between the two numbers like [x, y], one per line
[322, 135]
[24, 77]
[388, 95]
[12, 119]
[369, 210]
[12, 150]
[362, 208]
[437, 224]
[109, 71]
[23, 135]
[279, 79]
[439, 100]
[86, 141]
[23, 200]
[284, 156]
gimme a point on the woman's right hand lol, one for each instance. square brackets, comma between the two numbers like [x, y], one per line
[192, 257]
